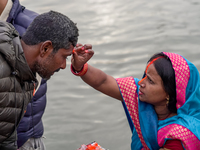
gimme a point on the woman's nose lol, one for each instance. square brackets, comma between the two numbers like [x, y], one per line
[141, 82]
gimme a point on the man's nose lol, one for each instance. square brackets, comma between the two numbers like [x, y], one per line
[64, 64]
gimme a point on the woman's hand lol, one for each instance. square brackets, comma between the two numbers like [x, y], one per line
[81, 54]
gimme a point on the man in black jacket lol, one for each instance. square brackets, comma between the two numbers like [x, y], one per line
[30, 130]
[43, 50]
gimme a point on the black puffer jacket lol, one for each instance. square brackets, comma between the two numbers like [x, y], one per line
[16, 83]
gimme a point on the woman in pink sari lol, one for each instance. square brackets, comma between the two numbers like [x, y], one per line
[163, 109]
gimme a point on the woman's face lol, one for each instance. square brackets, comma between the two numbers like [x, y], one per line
[152, 89]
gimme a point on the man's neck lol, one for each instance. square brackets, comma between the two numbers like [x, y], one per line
[31, 53]
[2, 5]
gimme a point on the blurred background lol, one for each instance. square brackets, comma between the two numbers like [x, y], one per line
[124, 35]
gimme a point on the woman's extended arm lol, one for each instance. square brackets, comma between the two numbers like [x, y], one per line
[94, 77]
[102, 82]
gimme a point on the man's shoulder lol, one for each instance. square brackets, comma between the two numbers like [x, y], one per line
[6, 28]
[21, 17]
[26, 16]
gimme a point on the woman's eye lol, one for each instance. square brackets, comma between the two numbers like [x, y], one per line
[150, 80]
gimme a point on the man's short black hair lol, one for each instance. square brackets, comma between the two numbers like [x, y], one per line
[53, 26]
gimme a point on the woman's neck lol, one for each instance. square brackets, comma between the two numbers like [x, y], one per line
[163, 112]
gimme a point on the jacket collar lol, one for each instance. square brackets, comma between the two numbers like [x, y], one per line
[12, 51]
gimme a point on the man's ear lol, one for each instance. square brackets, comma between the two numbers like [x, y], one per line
[45, 48]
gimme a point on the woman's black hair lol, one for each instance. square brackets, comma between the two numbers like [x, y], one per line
[164, 68]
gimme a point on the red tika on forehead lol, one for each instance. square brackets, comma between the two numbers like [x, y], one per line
[182, 74]
[151, 62]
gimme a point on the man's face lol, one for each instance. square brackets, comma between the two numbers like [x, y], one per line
[52, 63]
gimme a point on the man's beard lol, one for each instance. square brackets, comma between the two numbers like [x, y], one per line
[42, 68]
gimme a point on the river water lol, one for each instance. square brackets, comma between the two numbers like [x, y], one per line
[124, 34]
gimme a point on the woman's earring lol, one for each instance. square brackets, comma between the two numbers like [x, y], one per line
[167, 101]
